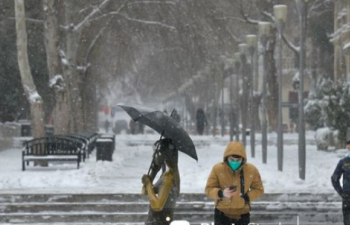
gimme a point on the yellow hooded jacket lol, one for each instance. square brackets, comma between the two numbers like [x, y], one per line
[222, 176]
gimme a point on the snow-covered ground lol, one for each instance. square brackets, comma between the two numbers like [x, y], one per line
[123, 175]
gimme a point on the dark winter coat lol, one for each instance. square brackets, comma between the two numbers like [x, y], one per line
[342, 169]
[201, 121]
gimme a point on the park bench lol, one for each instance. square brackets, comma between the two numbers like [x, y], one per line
[89, 138]
[84, 141]
[92, 137]
[52, 148]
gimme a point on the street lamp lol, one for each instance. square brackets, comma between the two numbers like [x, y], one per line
[222, 114]
[243, 51]
[280, 13]
[264, 33]
[231, 112]
[237, 105]
[251, 41]
[302, 5]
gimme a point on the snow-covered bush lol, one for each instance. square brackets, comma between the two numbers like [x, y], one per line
[315, 105]
[329, 107]
[326, 137]
[321, 138]
[338, 109]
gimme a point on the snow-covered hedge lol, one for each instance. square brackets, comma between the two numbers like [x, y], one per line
[329, 106]
[325, 138]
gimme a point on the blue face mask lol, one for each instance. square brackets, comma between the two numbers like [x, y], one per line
[348, 154]
[234, 165]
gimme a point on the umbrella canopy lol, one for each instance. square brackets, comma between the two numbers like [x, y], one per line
[166, 126]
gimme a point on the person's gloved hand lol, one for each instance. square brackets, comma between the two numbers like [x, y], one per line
[146, 179]
[228, 193]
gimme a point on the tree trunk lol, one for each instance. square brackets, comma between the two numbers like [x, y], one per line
[90, 104]
[57, 82]
[272, 100]
[34, 99]
[74, 80]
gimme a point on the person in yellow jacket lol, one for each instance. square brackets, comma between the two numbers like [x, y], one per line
[163, 194]
[234, 184]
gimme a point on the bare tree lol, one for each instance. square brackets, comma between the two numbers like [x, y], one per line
[67, 78]
[34, 99]
[57, 83]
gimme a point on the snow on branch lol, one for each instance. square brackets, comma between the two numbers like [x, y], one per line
[33, 95]
[83, 68]
[55, 80]
[147, 22]
[96, 10]
[111, 13]
[340, 31]
[268, 15]
[57, 83]
[85, 9]
[64, 58]
[291, 46]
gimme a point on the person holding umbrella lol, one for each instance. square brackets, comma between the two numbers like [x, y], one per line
[234, 184]
[163, 195]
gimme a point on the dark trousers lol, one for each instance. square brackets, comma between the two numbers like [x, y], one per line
[346, 211]
[221, 219]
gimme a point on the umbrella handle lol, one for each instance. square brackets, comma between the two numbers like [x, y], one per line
[144, 191]
[157, 149]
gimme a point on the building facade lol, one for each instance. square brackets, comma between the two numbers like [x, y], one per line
[341, 39]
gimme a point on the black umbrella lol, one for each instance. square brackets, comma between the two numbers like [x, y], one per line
[166, 126]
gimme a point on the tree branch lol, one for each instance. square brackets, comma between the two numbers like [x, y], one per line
[147, 22]
[234, 37]
[96, 10]
[152, 2]
[93, 42]
[110, 13]
[291, 46]
[268, 15]
[30, 20]
[231, 18]
[245, 16]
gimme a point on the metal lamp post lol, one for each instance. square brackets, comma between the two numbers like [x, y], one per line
[302, 5]
[280, 13]
[264, 33]
[231, 108]
[222, 114]
[242, 52]
[251, 41]
[237, 105]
